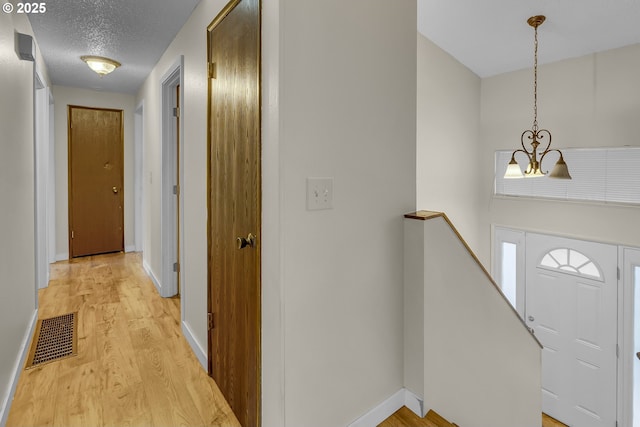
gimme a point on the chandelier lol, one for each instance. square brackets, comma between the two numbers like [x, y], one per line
[536, 136]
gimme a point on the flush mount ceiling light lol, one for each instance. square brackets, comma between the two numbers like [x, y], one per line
[100, 64]
[535, 135]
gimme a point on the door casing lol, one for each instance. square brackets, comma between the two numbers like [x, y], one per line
[171, 227]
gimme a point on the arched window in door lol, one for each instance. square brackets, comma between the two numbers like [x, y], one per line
[570, 261]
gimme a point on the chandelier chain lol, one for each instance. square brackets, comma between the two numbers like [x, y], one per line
[535, 79]
[540, 139]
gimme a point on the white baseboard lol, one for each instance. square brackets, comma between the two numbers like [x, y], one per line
[385, 409]
[414, 403]
[17, 369]
[130, 248]
[186, 329]
[195, 345]
[62, 256]
[152, 276]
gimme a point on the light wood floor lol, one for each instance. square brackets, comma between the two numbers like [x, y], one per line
[133, 368]
[547, 421]
[403, 417]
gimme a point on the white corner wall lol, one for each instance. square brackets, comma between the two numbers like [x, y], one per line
[18, 305]
[448, 138]
[347, 111]
[478, 366]
[63, 97]
[591, 101]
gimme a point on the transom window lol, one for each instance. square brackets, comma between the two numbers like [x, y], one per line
[571, 261]
[604, 175]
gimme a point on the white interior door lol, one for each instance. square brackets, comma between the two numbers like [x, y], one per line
[571, 304]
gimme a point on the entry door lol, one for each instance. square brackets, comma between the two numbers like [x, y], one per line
[234, 207]
[96, 217]
[571, 304]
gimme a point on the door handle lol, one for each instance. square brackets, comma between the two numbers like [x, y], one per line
[242, 242]
[115, 190]
[531, 319]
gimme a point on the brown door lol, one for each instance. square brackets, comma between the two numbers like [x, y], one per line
[234, 207]
[96, 218]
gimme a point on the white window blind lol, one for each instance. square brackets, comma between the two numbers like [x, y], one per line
[599, 174]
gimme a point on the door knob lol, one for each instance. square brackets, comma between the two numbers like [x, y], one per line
[115, 190]
[244, 242]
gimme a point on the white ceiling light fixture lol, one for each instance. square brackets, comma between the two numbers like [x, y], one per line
[535, 135]
[100, 65]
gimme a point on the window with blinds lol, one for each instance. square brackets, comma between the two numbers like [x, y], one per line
[599, 174]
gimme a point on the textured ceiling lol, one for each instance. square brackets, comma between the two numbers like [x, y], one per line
[488, 36]
[133, 32]
[492, 36]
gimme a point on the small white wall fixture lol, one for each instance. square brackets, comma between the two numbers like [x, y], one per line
[170, 168]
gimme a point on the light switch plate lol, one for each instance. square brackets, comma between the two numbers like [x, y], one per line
[319, 193]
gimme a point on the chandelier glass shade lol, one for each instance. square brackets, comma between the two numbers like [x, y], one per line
[538, 139]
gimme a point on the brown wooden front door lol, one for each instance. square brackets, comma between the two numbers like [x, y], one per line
[234, 206]
[96, 217]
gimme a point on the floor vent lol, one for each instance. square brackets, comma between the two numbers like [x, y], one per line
[55, 338]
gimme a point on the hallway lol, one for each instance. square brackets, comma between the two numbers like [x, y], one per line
[133, 367]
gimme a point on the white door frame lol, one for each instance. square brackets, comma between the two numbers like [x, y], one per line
[41, 175]
[172, 78]
[628, 258]
[138, 181]
[51, 182]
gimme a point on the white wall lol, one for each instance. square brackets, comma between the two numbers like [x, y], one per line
[63, 97]
[337, 101]
[591, 101]
[17, 241]
[481, 367]
[448, 141]
[347, 111]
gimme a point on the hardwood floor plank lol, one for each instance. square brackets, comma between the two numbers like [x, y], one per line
[548, 421]
[129, 408]
[403, 417]
[133, 368]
